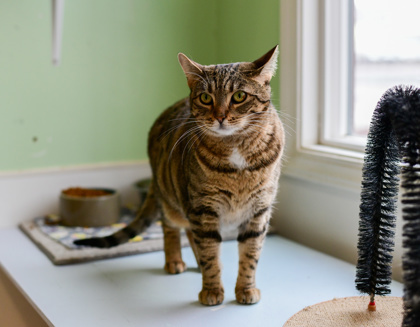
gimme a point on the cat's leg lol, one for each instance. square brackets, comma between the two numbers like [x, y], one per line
[251, 238]
[172, 247]
[172, 223]
[193, 245]
[205, 229]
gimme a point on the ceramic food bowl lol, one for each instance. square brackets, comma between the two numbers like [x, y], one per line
[142, 187]
[89, 207]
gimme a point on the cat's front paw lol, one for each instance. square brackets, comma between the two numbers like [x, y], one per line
[175, 267]
[211, 296]
[247, 295]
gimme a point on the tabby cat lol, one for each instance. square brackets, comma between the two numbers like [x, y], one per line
[215, 158]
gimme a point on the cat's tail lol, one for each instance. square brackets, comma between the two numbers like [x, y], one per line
[148, 214]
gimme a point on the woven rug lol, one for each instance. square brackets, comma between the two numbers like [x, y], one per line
[351, 312]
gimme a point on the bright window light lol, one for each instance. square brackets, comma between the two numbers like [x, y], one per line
[386, 53]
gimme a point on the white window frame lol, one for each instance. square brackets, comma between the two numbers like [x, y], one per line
[307, 70]
[336, 46]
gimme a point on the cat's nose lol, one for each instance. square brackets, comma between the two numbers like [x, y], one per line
[220, 120]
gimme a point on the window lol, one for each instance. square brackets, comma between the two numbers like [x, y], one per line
[303, 86]
[349, 52]
[368, 46]
[386, 53]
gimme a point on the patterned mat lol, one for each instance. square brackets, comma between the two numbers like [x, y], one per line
[67, 235]
[56, 241]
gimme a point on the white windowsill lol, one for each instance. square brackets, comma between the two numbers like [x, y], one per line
[326, 165]
[134, 290]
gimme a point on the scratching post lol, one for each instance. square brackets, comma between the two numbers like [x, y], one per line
[393, 141]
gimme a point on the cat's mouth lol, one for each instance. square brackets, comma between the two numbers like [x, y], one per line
[223, 129]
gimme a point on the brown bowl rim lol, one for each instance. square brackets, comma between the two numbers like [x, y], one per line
[112, 193]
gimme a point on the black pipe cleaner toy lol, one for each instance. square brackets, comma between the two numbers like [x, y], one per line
[393, 146]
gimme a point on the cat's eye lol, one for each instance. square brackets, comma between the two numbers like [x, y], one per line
[206, 98]
[239, 97]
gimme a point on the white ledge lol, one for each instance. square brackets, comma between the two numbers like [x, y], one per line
[134, 291]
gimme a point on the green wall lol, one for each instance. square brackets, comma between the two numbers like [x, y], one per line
[119, 70]
[247, 29]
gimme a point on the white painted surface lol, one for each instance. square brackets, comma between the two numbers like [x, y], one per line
[135, 291]
[27, 195]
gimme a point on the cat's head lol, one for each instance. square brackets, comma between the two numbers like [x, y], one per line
[226, 99]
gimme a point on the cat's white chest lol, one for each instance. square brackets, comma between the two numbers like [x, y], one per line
[232, 219]
[237, 159]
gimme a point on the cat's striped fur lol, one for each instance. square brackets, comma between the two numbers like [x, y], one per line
[216, 159]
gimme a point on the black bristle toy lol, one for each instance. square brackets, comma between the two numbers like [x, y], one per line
[393, 141]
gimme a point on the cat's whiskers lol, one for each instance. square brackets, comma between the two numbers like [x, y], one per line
[250, 131]
[255, 116]
[200, 132]
[260, 116]
[174, 128]
[183, 136]
[288, 120]
[255, 128]
[286, 131]
[191, 141]
[183, 119]
[200, 136]
[289, 123]
[256, 119]
[290, 131]
[285, 115]
[257, 123]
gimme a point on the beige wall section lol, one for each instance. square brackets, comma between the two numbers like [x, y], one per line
[15, 310]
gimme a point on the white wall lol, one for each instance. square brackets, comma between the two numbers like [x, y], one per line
[326, 218]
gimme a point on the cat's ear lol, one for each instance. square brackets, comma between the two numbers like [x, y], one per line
[191, 69]
[266, 66]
